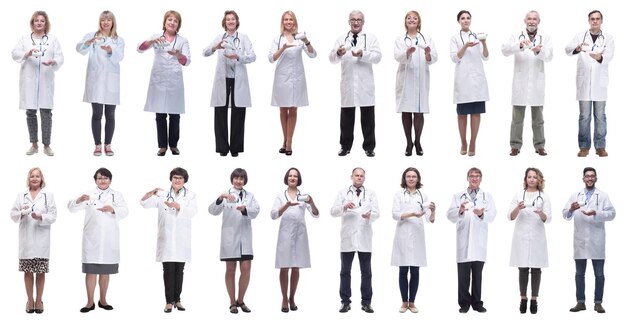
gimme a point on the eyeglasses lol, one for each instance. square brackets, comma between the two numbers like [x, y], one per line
[358, 20]
[589, 177]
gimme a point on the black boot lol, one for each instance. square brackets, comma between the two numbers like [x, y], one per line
[533, 306]
[523, 304]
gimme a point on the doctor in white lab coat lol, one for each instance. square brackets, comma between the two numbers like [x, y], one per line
[35, 210]
[292, 246]
[358, 208]
[357, 51]
[530, 209]
[238, 208]
[176, 207]
[166, 91]
[410, 208]
[102, 84]
[231, 88]
[40, 57]
[289, 90]
[104, 208]
[590, 208]
[595, 50]
[468, 51]
[531, 49]
[471, 210]
[415, 53]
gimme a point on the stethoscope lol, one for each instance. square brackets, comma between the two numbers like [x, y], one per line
[171, 198]
[409, 41]
[43, 41]
[279, 38]
[465, 197]
[297, 195]
[522, 36]
[350, 194]
[45, 199]
[345, 40]
[175, 39]
[407, 199]
[586, 201]
[597, 43]
[236, 41]
[536, 200]
[93, 202]
[469, 37]
[243, 194]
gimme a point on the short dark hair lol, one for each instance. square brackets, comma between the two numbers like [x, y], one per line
[287, 176]
[419, 178]
[458, 16]
[103, 172]
[595, 11]
[474, 170]
[179, 172]
[239, 173]
[585, 170]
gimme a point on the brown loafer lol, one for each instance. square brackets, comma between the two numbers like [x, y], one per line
[583, 152]
[598, 308]
[602, 152]
[541, 152]
[514, 152]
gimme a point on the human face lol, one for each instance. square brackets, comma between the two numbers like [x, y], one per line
[238, 182]
[34, 180]
[178, 182]
[474, 180]
[411, 22]
[231, 23]
[590, 179]
[103, 182]
[106, 24]
[288, 23]
[595, 22]
[171, 24]
[531, 21]
[411, 180]
[292, 179]
[465, 21]
[358, 177]
[532, 180]
[39, 25]
[356, 22]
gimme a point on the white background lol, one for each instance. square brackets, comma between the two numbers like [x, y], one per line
[137, 291]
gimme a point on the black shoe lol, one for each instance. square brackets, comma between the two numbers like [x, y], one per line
[243, 307]
[343, 152]
[533, 306]
[293, 307]
[234, 154]
[370, 153]
[38, 310]
[88, 309]
[179, 306]
[345, 307]
[367, 308]
[523, 305]
[463, 309]
[288, 152]
[233, 309]
[107, 307]
[168, 310]
[223, 153]
[409, 150]
[282, 150]
[480, 309]
[175, 151]
[418, 149]
[284, 309]
[161, 152]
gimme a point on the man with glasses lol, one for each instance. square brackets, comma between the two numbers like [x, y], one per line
[594, 49]
[471, 209]
[590, 208]
[357, 51]
[358, 208]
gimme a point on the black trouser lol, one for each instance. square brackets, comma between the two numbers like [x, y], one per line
[163, 137]
[173, 280]
[535, 281]
[96, 122]
[237, 123]
[465, 271]
[408, 289]
[365, 263]
[368, 125]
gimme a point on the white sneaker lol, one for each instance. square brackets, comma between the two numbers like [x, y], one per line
[48, 151]
[32, 150]
[413, 309]
[107, 150]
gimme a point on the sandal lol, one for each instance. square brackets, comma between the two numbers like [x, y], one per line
[233, 309]
[243, 307]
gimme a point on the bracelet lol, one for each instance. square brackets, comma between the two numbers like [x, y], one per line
[307, 43]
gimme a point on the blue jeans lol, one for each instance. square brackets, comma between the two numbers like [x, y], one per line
[365, 262]
[598, 270]
[584, 124]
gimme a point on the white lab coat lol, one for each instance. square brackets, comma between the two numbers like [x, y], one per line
[236, 236]
[289, 88]
[242, 86]
[34, 235]
[471, 230]
[356, 231]
[529, 78]
[101, 231]
[174, 233]
[529, 248]
[409, 243]
[413, 77]
[36, 79]
[102, 84]
[166, 92]
[470, 82]
[589, 232]
[592, 77]
[292, 247]
[357, 76]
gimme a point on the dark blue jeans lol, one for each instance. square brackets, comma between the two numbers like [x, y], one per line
[365, 262]
[408, 288]
[598, 271]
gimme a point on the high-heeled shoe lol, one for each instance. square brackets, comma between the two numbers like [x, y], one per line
[107, 307]
[282, 150]
[30, 310]
[243, 307]
[288, 152]
[39, 310]
[168, 308]
[179, 306]
[88, 309]
[409, 150]
[418, 149]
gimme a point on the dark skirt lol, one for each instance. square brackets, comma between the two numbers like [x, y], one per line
[97, 268]
[470, 108]
[244, 257]
[36, 265]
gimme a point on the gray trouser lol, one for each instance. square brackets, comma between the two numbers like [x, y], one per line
[46, 125]
[517, 126]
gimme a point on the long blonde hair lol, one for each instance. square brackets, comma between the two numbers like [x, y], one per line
[295, 22]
